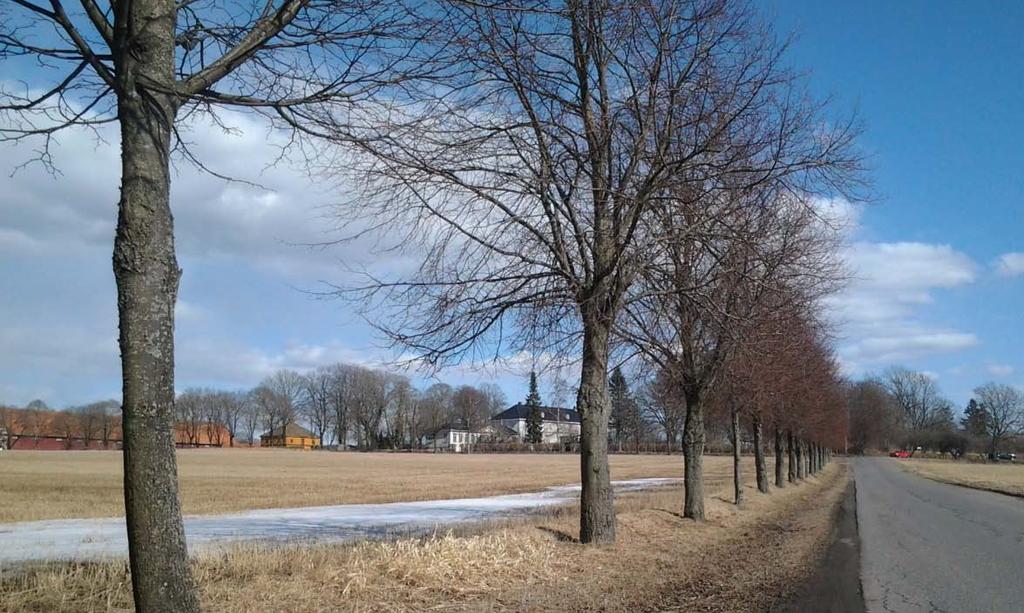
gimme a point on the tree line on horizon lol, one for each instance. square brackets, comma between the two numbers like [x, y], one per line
[903, 409]
[342, 403]
[646, 183]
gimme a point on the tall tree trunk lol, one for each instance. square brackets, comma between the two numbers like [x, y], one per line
[760, 469]
[737, 478]
[780, 478]
[147, 276]
[597, 504]
[693, 457]
[801, 471]
[791, 451]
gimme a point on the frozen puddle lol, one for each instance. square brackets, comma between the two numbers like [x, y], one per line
[93, 539]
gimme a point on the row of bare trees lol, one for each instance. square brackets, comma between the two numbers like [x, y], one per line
[596, 178]
[904, 409]
[342, 404]
[553, 164]
[97, 424]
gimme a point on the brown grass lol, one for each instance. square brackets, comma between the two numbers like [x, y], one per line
[1002, 478]
[52, 485]
[741, 559]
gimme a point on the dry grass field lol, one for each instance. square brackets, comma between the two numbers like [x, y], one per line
[740, 559]
[1002, 478]
[51, 485]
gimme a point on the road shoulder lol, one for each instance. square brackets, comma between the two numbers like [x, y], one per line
[835, 586]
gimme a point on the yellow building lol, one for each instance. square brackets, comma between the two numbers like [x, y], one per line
[294, 437]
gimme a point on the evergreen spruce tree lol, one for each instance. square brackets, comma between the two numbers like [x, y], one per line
[622, 417]
[534, 419]
[975, 420]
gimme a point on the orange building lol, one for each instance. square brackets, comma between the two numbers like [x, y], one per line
[294, 436]
[201, 434]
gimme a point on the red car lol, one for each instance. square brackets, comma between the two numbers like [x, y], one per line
[899, 454]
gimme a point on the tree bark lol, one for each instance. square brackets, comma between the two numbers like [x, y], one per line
[597, 505]
[737, 479]
[147, 274]
[791, 451]
[693, 458]
[800, 467]
[780, 463]
[760, 469]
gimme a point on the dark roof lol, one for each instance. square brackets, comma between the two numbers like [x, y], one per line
[522, 411]
[500, 430]
[290, 430]
[456, 425]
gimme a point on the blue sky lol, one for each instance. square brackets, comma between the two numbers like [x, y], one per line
[939, 87]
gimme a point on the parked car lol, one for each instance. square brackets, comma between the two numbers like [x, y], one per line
[1003, 457]
[899, 454]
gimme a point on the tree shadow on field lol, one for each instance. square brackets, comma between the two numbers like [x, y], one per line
[563, 537]
[675, 514]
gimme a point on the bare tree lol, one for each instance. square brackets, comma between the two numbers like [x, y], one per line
[471, 409]
[233, 407]
[190, 409]
[399, 411]
[214, 414]
[10, 424]
[436, 407]
[340, 380]
[67, 427]
[875, 416]
[1004, 405]
[665, 406]
[917, 395]
[728, 263]
[91, 420]
[287, 389]
[112, 420]
[496, 400]
[143, 64]
[317, 386]
[557, 127]
[251, 415]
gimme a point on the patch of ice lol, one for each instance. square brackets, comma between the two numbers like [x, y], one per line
[95, 539]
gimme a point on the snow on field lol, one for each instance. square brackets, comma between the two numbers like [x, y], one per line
[94, 539]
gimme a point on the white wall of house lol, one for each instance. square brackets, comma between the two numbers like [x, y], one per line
[453, 440]
[551, 431]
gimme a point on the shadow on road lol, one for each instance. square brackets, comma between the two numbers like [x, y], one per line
[835, 585]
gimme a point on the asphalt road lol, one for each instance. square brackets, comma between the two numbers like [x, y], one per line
[928, 546]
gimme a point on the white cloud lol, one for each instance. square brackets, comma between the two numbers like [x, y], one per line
[1010, 264]
[880, 312]
[899, 344]
[266, 227]
[241, 248]
[909, 270]
[999, 370]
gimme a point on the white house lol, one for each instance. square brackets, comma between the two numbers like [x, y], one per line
[453, 438]
[457, 438]
[557, 424]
